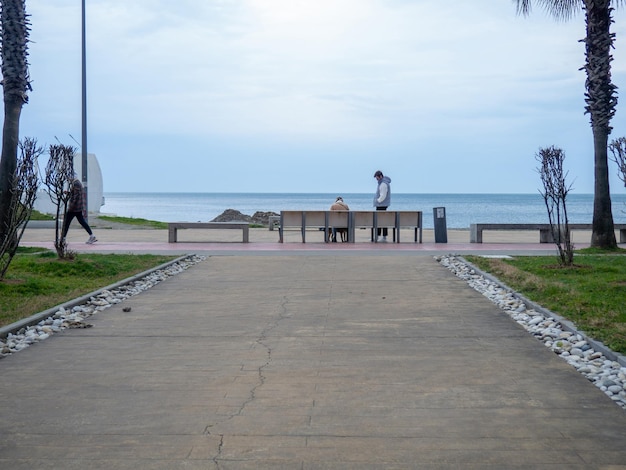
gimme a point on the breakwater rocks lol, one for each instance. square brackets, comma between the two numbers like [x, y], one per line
[230, 215]
[579, 351]
[76, 316]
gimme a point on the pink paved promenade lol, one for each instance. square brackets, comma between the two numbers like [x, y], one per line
[263, 240]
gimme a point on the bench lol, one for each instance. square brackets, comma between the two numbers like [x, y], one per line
[545, 232]
[390, 219]
[351, 220]
[303, 220]
[173, 228]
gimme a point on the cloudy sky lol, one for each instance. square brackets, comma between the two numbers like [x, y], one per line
[315, 95]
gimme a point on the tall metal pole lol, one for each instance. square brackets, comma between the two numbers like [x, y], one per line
[84, 110]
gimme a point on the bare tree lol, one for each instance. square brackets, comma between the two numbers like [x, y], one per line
[618, 149]
[555, 191]
[15, 82]
[59, 173]
[23, 193]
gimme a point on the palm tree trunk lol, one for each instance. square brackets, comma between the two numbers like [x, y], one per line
[15, 83]
[603, 234]
[601, 100]
[8, 158]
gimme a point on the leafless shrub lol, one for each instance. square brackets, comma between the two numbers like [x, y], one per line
[23, 192]
[618, 149]
[59, 173]
[555, 191]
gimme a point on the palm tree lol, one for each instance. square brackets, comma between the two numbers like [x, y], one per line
[14, 25]
[601, 98]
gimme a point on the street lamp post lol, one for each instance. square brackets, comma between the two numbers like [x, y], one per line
[84, 112]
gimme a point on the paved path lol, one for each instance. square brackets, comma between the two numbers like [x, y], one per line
[314, 361]
[263, 241]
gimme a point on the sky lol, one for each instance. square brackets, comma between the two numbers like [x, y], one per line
[316, 95]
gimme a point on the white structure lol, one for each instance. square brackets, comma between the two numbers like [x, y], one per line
[95, 191]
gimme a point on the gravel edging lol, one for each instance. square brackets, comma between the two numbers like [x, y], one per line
[71, 314]
[594, 360]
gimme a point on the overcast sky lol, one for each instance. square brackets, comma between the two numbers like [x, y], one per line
[315, 95]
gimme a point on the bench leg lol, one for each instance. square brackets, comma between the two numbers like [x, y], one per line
[622, 235]
[476, 234]
[246, 234]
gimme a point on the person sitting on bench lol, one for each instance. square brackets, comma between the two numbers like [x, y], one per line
[339, 205]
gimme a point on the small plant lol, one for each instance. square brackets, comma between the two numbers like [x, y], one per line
[23, 191]
[555, 191]
[59, 173]
[618, 149]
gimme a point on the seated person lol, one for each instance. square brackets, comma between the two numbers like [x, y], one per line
[339, 205]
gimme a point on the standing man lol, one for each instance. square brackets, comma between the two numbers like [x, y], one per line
[382, 200]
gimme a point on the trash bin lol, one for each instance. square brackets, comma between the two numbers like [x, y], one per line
[441, 231]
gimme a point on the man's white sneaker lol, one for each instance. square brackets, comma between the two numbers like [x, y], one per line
[381, 240]
[92, 240]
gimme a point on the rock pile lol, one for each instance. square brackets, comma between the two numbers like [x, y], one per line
[574, 347]
[230, 215]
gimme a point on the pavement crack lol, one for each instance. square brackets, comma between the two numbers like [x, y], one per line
[216, 459]
[261, 341]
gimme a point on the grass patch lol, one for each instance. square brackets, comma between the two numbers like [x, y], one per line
[134, 221]
[591, 293]
[36, 215]
[37, 280]
[601, 251]
[149, 223]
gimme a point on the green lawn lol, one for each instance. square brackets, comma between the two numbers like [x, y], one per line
[38, 280]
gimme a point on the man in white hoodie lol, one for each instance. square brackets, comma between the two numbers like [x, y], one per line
[382, 200]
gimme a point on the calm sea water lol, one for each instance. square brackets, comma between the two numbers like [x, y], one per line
[461, 209]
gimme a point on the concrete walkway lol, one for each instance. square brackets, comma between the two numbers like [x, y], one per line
[319, 360]
[264, 241]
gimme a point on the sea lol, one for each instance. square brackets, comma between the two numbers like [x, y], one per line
[460, 210]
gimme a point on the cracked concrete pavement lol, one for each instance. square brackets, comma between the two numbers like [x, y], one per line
[308, 361]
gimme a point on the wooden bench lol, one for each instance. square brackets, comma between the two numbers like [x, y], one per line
[545, 233]
[390, 219]
[351, 220]
[173, 228]
[303, 220]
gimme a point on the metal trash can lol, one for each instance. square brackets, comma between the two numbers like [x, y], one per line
[441, 231]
